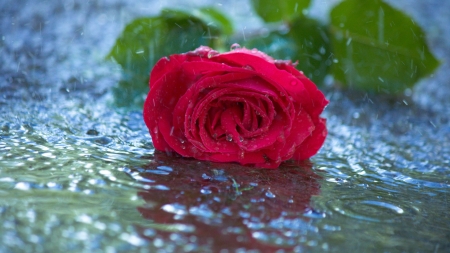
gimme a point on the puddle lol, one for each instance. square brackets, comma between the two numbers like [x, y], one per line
[79, 175]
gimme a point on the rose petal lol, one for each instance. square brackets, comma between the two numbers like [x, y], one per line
[239, 106]
[317, 101]
[282, 80]
[313, 143]
[302, 127]
[253, 52]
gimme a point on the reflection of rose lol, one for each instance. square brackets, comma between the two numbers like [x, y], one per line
[240, 106]
[234, 199]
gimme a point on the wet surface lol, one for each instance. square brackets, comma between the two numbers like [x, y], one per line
[80, 175]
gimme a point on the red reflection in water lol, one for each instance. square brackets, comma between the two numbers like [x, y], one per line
[227, 203]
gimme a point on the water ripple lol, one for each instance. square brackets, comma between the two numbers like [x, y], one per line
[372, 210]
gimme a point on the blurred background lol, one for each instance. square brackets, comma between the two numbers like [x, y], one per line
[79, 173]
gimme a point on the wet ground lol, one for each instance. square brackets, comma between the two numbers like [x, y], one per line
[78, 174]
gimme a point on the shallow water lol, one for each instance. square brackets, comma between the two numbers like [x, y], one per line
[78, 174]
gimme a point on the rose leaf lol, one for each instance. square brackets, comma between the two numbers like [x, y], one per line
[146, 40]
[307, 42]
[275, 11]
[378, 48]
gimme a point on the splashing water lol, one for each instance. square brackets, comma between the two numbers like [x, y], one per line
[77, 174]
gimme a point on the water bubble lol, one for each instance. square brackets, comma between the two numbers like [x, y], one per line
[205, 191]
[92, 132]
[269, 194]
[22, 186]
[175, 209]
[235, 46]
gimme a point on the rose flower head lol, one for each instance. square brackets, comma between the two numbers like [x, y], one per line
[239, 106]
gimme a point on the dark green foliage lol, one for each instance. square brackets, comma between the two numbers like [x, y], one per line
[146, 40]
[378, 48]
[307, 42]
[367, 45]
[274, 11]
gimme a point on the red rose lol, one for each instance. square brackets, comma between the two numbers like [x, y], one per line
[239, 106]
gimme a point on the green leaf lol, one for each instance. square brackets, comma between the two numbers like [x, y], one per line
[284, 10]
[307, 42]
[214, 18]
[146, 40]
[377, 47]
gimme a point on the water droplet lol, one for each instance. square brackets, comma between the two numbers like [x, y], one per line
[269, 194]
[165, 168]
[314, 214]
[322, 50]
[293, 82]
[349, 41]
[229, 137]
[241, 139]
[212, 53]
[22, 186]
[248, 67]
[205, 191]
[92, 132]
[175, 209]
[235, 46]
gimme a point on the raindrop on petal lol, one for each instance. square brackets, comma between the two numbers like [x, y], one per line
[235, 46]
[248, 67]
